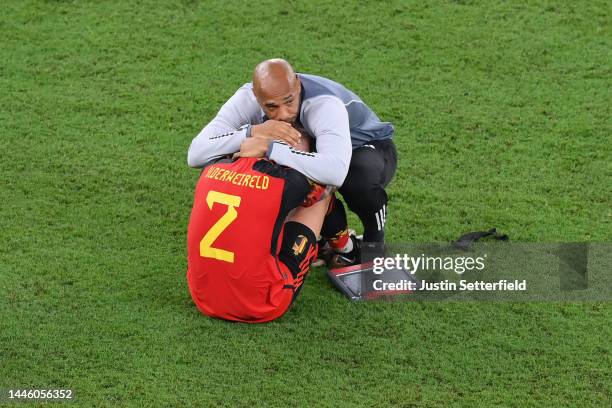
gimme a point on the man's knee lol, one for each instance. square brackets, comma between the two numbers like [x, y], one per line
[371, 168]
[364, 197]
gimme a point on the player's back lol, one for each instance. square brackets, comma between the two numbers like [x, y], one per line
[233, 234]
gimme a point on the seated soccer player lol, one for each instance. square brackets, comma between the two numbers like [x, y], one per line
[251, 238]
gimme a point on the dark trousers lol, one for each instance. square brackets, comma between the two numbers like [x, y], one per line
[372, 167]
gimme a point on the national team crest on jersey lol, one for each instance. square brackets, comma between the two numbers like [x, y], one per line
[299, 245]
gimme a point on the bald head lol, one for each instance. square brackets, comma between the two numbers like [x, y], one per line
[273, 75]
[277, 89]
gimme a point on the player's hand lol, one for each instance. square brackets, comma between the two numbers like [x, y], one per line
[276, 130]
[253, 147]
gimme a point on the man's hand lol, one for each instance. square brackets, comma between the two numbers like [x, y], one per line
[253, 147]
[276, 130]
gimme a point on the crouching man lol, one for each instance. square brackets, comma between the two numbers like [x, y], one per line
[251, 238]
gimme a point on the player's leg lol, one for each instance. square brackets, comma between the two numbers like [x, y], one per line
[338, 246]
[372, 168]
[299, 244]
[311, 217]
[335, 226]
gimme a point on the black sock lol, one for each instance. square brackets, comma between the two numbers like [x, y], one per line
[335, 221]
[297, 244]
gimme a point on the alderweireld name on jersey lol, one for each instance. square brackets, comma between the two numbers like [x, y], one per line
[260, 182]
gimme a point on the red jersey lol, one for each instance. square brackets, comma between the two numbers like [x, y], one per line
[233, 235]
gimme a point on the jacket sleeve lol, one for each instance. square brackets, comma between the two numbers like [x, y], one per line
[326, 119]
[227, 130]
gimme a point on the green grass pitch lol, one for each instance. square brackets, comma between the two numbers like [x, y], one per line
[502, 112]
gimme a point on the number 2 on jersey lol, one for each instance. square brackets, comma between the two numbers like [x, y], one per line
[232, 202]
